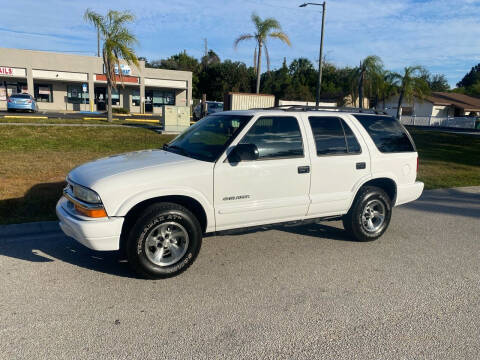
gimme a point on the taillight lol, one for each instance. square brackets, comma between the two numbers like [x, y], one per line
[29, 101]
[9, 100]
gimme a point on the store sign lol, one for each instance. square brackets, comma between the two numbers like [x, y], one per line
[12, 71]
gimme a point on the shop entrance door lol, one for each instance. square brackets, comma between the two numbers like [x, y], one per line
[100, 98]
[148, 101]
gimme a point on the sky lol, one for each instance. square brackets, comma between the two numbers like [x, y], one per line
[443, 36]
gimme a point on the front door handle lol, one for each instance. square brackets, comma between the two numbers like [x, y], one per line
[303, 169]
[361, 165]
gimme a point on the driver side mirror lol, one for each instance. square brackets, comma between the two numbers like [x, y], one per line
[243, 152]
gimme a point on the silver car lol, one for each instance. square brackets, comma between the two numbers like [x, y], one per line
[212, 107]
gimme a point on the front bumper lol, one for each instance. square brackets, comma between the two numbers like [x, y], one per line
[407, 193]
[97, 234]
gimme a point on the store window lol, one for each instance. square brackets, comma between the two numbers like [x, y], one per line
[75, 94]
[115, 97]
[136, 98]
[43, 93]
[163, 98]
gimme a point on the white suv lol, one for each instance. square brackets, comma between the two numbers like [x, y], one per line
[241, 169]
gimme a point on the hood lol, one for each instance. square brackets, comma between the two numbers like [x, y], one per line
[92, 172]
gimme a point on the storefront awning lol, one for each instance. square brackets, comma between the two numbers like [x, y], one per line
[169, 84]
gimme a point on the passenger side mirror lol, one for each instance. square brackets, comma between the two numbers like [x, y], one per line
[243, 152]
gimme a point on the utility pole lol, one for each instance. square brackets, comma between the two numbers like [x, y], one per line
[320, 60]
[206, 47]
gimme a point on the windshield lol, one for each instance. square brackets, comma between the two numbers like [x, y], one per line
[208, 138]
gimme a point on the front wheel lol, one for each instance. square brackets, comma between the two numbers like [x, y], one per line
[370, 214]
[164, 242]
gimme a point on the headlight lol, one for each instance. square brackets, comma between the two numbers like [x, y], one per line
[87, 195]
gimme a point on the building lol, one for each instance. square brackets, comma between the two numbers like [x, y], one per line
[63, 82]
[437, 105]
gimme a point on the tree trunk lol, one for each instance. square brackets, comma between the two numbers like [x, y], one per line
[109, 103]
[400, 100]
[360, 90]
[259, 66]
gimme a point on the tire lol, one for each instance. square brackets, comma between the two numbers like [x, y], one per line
[371, 203]
[164, 241]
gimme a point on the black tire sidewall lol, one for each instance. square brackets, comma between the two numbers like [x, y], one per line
[355, 218]
[138, 236]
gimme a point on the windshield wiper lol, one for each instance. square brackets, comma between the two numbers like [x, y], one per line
[176, 149]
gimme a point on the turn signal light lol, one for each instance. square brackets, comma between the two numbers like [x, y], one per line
[93, 213]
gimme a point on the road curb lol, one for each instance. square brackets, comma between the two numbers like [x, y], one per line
[21, 230]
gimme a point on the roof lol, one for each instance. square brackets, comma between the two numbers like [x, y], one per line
[462, 101]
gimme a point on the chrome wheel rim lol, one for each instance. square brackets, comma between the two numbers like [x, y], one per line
[166, 243]
[373, 216]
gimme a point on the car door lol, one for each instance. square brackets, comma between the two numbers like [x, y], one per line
[339, 162]
[273, 188]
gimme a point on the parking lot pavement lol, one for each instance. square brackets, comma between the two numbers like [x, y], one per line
[298, 292]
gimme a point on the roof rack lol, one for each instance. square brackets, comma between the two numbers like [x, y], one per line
[323, 108]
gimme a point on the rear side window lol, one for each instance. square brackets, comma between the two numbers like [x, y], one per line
[275, 137]
[387, 133]
[333, 136]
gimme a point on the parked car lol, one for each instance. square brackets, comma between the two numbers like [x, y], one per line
[212, 108]
[24, 102]
[240, 169]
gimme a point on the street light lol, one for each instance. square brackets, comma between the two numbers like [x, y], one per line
[320, 62]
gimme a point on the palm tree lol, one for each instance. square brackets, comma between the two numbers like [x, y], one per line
[386, 86]
[263, 29]
[369, 68]
[118, 44]
[412, 85]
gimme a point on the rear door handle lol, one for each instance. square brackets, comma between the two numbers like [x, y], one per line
[303, 169]
[361, 165]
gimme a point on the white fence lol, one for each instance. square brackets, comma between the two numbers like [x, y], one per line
[458, 122]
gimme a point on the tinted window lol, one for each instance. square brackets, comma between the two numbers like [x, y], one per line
[352, 143]
[387, 133]
[20, 96]
[333, 136]
[275, 137]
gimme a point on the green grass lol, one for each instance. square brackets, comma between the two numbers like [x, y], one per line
[118, 121]
[446, 159]
[35, 159]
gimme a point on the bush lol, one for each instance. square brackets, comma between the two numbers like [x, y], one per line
[120, 111]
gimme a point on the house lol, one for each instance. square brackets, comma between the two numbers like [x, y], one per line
[436, 105]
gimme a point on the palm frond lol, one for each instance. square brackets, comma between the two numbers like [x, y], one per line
[242, 38]
[281, 36]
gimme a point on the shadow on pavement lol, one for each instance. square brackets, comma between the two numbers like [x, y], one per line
[448, 201]
[52, 247]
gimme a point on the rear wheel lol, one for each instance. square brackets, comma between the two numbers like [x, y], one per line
[164, 241]
[370, 214]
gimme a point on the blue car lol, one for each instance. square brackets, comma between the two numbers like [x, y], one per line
[24, 102]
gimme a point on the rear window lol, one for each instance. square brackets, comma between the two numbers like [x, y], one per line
[387, 133]
[20, 96]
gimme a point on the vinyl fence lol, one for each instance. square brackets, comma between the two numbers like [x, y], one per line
[457, 122]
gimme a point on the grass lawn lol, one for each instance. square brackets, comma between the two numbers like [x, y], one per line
[447, 160]
[116, 121]
[34, 161]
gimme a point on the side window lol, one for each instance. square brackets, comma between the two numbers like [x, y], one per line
[333, 136]
[353, 146]
[387, 133]
[275, 137]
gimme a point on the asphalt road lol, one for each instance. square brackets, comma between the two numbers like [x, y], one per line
[300, 292]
